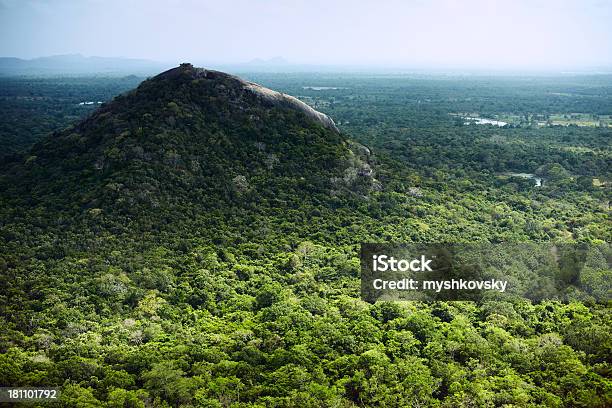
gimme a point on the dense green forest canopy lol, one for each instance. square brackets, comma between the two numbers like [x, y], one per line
[32, 107]
[188, 245]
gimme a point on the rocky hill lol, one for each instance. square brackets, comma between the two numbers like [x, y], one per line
[191, 135]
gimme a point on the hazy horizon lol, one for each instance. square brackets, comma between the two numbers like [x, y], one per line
[445, 34]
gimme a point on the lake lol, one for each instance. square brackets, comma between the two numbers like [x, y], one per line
[483, 121]
[537, 180]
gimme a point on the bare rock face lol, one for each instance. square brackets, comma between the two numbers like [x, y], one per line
[359, 174]
[277, 98]
[265, 94]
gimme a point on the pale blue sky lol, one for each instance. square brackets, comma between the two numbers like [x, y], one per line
[418, 33]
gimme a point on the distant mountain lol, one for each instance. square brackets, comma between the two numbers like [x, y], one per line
[76, 64]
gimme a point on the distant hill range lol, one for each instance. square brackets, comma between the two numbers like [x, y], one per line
[76, 64]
